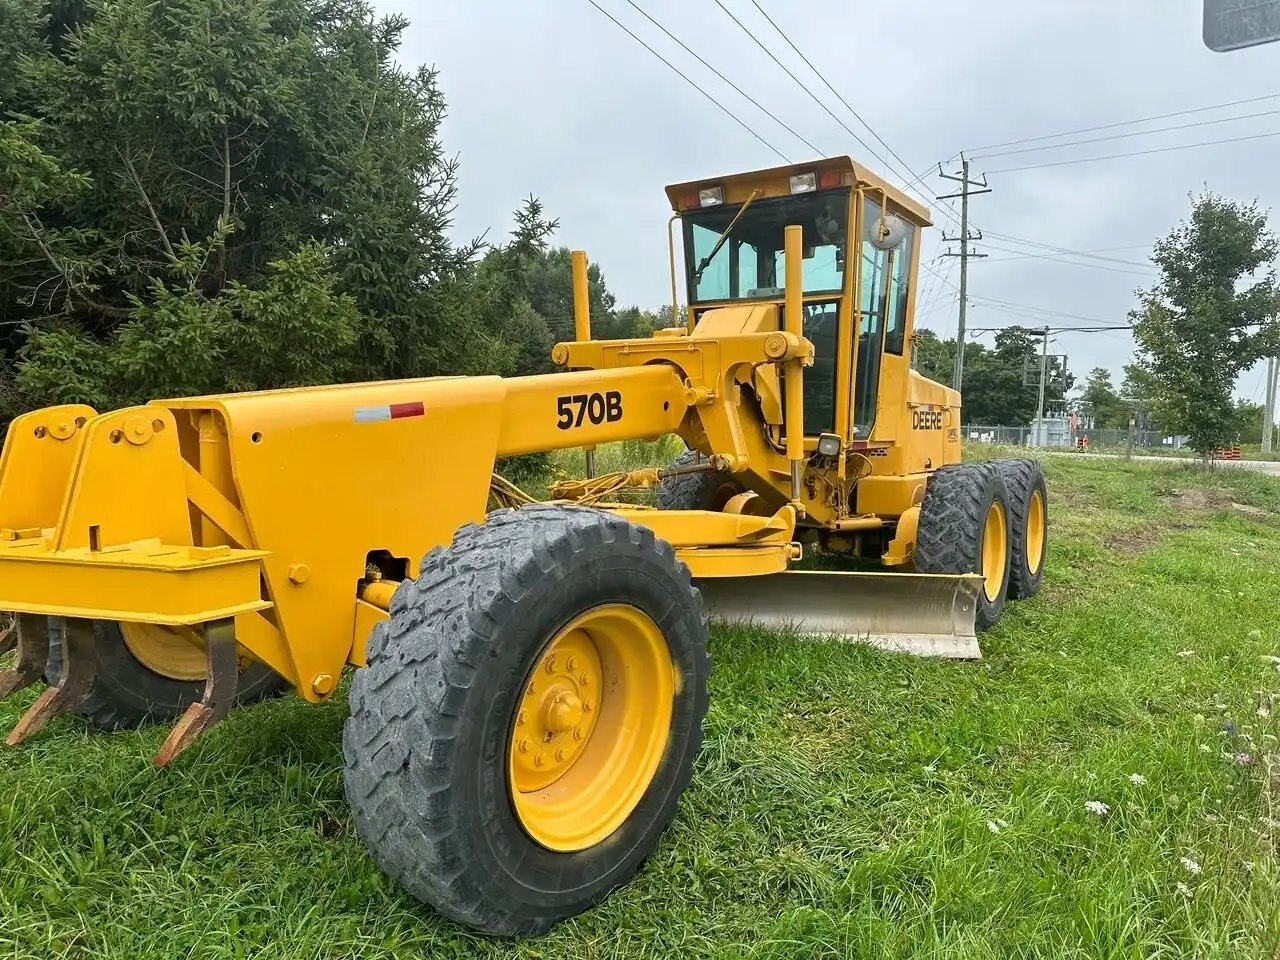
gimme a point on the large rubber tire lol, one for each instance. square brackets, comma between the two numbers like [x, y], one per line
[432, 715]
[707, 490]
[126, 695]
[957, 500]
[1024, 479]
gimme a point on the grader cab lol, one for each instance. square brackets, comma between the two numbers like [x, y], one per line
[528, 683]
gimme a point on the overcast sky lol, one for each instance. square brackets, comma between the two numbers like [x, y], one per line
[549, 97]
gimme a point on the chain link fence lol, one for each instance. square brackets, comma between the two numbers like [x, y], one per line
[1095, 438]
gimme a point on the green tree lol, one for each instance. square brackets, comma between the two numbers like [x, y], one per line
[160, 159]
[550, 293]
[1107, 408]
[996, 388]
[1248, 421]
[1209, 317]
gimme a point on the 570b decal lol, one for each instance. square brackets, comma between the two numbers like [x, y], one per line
[597, 407]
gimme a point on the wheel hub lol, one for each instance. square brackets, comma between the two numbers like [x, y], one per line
[591, 727]
[557, 712]
[173, 652]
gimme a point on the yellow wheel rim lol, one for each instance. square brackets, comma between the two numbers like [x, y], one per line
[173, 652]
[591, 727]
[995, 550]
[1035, 532]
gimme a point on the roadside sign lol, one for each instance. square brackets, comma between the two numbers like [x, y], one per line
[1236, 24]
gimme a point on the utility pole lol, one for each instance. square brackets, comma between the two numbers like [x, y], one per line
[1269, 406]
[1044, 365]
[966, 191]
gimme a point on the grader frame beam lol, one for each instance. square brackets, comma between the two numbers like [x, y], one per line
[166, 513]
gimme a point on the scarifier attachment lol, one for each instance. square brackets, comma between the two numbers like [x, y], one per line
[219, 691]
[918, 613]
[33, 655]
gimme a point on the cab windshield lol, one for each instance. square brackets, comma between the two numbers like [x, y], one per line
[749, 265]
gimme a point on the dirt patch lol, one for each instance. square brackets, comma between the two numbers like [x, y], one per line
[1249, 510]
[1132, 542]
[1198, 499]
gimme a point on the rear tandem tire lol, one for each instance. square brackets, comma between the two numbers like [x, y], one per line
[705, 490]
[126, 695]
[1028, 524]
[437, 758]
[965, 507]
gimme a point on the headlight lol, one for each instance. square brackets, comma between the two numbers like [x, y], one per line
[804, 183]
[710, 196]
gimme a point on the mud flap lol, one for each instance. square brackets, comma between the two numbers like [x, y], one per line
[928, 615]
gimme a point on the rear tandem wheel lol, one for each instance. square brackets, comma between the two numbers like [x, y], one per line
[147, 673]
[529, 716]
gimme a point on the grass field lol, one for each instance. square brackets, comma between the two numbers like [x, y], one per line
[1103, 784]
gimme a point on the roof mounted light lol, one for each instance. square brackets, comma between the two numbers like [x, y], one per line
[710, 196]
[804, 183]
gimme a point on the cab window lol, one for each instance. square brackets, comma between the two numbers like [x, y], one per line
[876, 267]
[749, 264]
[896, 313]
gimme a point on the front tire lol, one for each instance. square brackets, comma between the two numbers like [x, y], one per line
[964, 528]
[705, 490]
[475, 773]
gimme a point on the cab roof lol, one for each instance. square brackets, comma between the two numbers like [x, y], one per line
[775, 182]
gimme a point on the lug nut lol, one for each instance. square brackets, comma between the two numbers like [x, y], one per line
[540, 759]
[523, 745]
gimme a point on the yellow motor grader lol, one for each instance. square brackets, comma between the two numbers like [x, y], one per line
[528, 683]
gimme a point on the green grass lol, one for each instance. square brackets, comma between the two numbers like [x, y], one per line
[847, 803]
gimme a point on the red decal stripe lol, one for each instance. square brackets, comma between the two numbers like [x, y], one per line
[399, 410]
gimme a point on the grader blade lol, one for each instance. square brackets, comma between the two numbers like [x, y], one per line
[923, 614]
[76, 673]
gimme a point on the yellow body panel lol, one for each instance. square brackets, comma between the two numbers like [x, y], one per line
[270, 507]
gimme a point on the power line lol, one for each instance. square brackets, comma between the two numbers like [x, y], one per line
[1122, 136]
[1042, 310]
[809, 63]
[745, 29]
[691, 83]
[752, 100]
[1137, 153]
[1123, 123]
[1090, 254]
[1060, 259]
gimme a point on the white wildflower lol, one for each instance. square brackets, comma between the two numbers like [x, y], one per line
[931, 768]
[1186, 891]
[1190, 865]
[1097, 807]
[993, 826]
[1205, 748]
[1248, 865]
[1186, 653]
[1264, 712]
[1137, 778]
